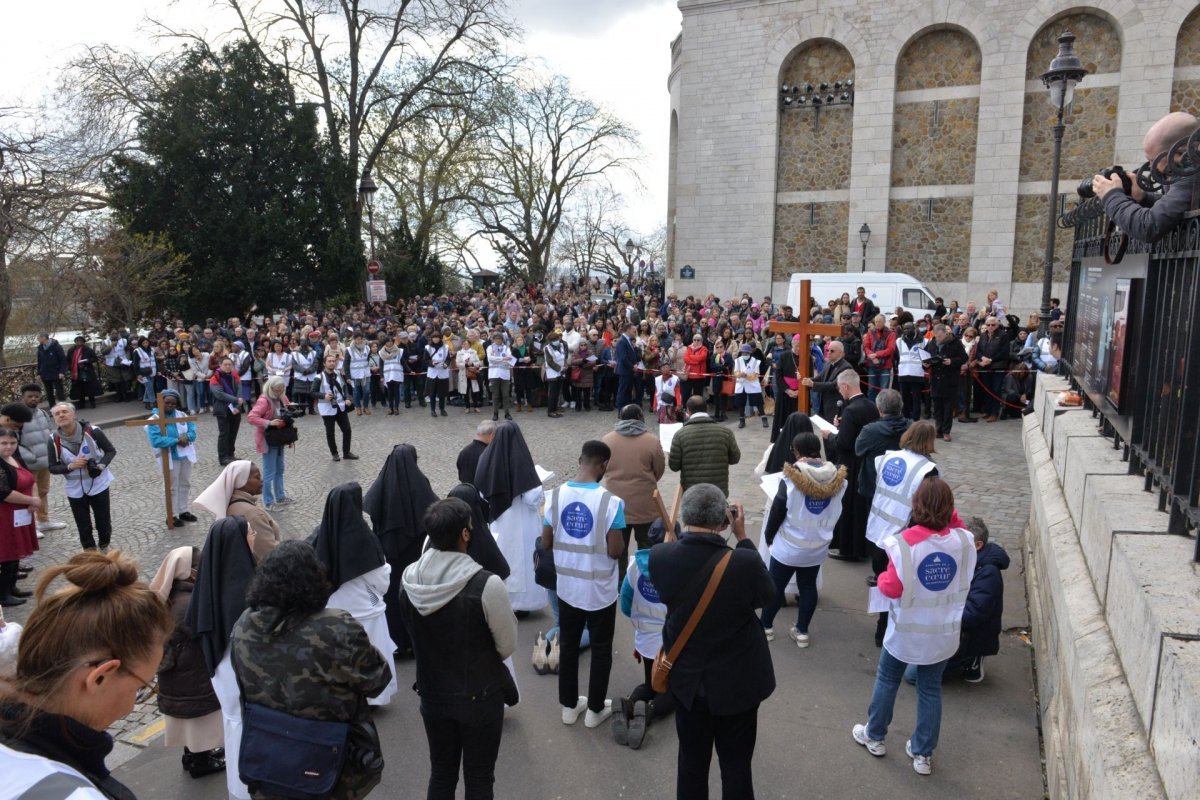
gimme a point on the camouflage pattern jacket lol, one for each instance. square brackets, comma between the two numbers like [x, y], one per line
[320, 667]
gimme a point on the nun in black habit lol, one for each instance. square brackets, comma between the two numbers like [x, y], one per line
[218, 600]
[787, 385]
[357, 570]
[482, 548]
[395, 503]
[509, 484]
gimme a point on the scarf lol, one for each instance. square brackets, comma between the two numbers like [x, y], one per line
[397, 500]
[506, 470]
[482, 548]
[226, 567]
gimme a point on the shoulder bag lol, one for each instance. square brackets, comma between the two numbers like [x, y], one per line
[660, 673]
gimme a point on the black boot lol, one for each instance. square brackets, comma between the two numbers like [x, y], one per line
[741, 422]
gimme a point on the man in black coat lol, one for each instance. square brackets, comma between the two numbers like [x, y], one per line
[468, 457]
[825, 384]
[724, 670]
[991, 361]
[850, 535]
[51, 368]
[947, 358]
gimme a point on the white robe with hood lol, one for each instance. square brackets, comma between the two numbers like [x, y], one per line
[516, 531]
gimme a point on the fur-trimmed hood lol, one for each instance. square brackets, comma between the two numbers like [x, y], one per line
[818, 482]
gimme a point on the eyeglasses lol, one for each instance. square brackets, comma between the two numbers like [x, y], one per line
[148, 690]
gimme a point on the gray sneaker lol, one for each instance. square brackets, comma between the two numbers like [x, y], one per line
[284, 501]
[874, 747]
[922, 765]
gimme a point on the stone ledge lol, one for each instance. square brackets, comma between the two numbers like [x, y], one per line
[1114, 504]
[1064, 427]
[1087, 458]
[1176, 727]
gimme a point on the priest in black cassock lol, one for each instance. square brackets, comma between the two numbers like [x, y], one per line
[787, 385]
[850, 535]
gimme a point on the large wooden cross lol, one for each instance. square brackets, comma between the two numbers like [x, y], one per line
[807, 330]
[163, 423]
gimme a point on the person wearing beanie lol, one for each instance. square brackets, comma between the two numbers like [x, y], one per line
[180, 440]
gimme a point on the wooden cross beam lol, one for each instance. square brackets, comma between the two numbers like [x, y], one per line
[163, 423]
[806, 330]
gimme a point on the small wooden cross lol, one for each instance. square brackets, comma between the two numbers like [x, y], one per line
[163, 423]
[807, 330]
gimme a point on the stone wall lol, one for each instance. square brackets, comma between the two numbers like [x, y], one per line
[1088, 141]
[932, 248]
[1097, 44]
[1187, 43]
[1029, 251]
[807, 241]
[1185, 96]
[815, 145]
[939, 59]
[934, 142]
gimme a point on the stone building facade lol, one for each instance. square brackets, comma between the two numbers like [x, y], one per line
[945, 152]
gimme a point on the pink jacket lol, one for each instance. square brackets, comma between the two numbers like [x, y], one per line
[259, 416]
[889, 582]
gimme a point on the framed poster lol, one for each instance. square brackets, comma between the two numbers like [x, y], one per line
[1119, 337]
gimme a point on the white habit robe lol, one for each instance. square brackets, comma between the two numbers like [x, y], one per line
[226, 687]
[362, 598]
[516, 531]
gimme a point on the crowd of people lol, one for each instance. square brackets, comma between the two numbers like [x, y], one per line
[396, 572]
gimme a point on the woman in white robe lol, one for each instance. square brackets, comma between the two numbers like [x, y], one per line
[358, 571]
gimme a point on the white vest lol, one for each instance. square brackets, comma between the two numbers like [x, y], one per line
[146, 360]
[243, 365]
[79, 483]
[747, 385]
[555, 353]
[279, 364]
[117, 354]
[499, 361]
[647, 612]
[898, 473]
[910, 364]
[359, 366]
[803, 538]
[324, 407]
[587, 574]
[924, 622]
[437, 361]
[393, 368]
[667, 386]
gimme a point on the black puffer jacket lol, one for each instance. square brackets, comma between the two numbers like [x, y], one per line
[981, 623]
[184, 688]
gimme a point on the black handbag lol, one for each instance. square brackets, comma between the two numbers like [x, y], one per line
[282, 437]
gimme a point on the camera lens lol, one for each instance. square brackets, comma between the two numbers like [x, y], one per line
[1085, 189]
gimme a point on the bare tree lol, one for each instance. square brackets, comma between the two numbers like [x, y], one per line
[550, 145]
[583, 243]
[123, 277]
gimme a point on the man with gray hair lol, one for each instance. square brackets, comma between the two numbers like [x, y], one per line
[850, 535]
[468, 457]
[1150, 217]
[825, 384]
[724, 671]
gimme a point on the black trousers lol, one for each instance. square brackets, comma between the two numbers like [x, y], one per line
[662, 705]
[83, 509]
[414, 383]
[470, 737]
[943, 414]
[343, 421]
[640, 533]
[911, 390]
[600, 625]
[54, 391]
[438, 389]
[553, 387]
[227, 431]
[733, 736]
[8, 577]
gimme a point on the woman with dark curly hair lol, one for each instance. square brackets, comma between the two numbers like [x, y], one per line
[293, 655]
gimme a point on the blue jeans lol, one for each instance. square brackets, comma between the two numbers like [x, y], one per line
[362, 392]
[929, 702]
[806, 591]
[148, 395]
[881, 378]
[191, 395]
[584, 643]
[272, 475]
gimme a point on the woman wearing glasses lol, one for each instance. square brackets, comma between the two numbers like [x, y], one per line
[87, 654]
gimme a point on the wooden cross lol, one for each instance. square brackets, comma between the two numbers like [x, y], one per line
[807, 330]
[163, 423]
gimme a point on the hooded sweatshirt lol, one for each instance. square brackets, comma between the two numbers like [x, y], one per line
[439, 575]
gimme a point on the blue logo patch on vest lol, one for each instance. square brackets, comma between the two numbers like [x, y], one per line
[647, 590]
[815, 506]
[936, 571]
[576, 520]
[893, 471]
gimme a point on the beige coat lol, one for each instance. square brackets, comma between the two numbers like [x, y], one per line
[634, 470]
[266, 530]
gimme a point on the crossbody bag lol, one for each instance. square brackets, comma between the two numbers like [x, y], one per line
[660, 674]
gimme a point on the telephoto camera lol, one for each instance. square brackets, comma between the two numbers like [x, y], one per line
[292, 411]
[1087, 191]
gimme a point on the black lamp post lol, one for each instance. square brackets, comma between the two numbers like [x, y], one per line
[864, 236]
[366, 196]
[632, 251]
[1065, 71]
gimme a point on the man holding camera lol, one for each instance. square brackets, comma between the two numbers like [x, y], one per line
[1150, 217]
[82, 454]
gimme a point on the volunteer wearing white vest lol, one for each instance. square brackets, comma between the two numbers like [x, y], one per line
[910, 369]
[333, 398]
[748, 391]
[898, 473]
[582, 528]
[358, 367]
[555, 353]
[243, 365]
[180, 438]
[927, 580]
[437, 368]
[799, 529]
[392, 356]
[500, 362]
[81, 454]
[666, 395]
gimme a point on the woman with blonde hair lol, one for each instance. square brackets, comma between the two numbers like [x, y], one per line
[87, 655]
[270, 419]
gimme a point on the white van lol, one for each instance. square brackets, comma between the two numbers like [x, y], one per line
[886, 290]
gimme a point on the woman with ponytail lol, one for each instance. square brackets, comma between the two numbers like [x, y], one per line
[87, 654]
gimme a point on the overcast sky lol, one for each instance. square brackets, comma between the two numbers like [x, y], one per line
[615, 51]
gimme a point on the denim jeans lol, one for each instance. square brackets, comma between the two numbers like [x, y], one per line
[929, 702]
[148, 391]
[191, 395]
[362, 392]
[878, 379]
[806, 591]
[272, 475]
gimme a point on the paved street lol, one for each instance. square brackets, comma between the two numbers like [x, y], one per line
[989, 744]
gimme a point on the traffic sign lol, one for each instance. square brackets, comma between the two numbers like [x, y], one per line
[376, 292]
[373, 267]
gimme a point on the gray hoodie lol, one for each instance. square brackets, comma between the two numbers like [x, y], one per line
[437, 578]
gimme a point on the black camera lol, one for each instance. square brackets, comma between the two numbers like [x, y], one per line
[93, 468]
[294, 410]
[1087, 191]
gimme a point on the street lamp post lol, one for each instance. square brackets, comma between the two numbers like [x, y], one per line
[864, 236]
[1066, 70]
[366, 196]
[632, 251]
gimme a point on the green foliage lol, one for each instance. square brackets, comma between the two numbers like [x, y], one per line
[235, 175]
[406, 268]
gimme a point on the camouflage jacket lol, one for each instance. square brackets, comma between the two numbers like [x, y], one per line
[320, 667]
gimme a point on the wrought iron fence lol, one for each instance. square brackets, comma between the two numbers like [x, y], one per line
[1159, 431]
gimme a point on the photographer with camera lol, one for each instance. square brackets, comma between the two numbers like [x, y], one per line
[274, 431]
[1148, 217]
[81, 454]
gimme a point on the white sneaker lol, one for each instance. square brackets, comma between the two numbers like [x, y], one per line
[770, 632]
[922, 765]
[596, 718]
[874, 747]
[539, 655]
[570, 715]
[51, 526]
[801, 639]
[40, 535]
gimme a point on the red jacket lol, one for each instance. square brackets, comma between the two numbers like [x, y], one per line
[882, 345]
[696, 361]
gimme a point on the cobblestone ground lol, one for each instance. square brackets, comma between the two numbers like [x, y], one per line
[984, 464]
